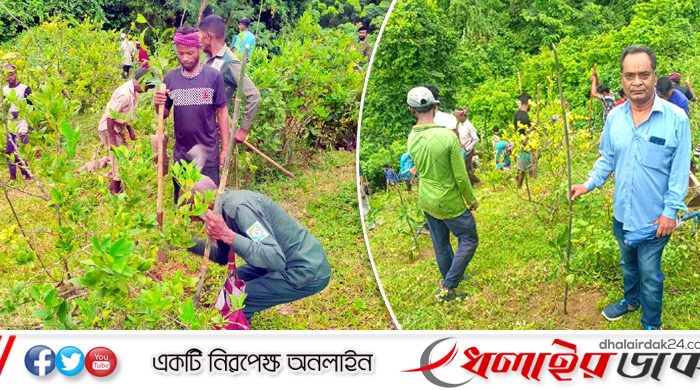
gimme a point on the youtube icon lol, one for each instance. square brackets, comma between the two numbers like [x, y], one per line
[100, 361]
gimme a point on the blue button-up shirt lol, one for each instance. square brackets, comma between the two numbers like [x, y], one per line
[679, 99]
[651, 163]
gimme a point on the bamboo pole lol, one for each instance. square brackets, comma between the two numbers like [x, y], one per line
[224, 177]
[202, 7]
[590, 105]
[537, 123]
[160, 136]
[567, 257]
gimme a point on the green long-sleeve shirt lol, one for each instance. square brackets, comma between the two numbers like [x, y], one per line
[445, 190]
[265, 236]
[230, 68]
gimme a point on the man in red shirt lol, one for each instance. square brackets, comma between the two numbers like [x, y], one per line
[143, 56]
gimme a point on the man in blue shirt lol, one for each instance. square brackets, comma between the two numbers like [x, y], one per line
[646, 142]
[665, 89]
[243, 38]
[407, 171]
[389, 175]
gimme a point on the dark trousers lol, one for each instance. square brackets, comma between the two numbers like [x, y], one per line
[125, 71]
[470, 168]
[13, 157]
[263, 291]
[212, 172]
[452, 265]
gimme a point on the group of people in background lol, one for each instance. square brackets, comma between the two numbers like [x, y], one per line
[645, 142]
[131, 52]
[18, 129]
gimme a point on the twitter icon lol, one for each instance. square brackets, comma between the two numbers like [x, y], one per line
[70, 361]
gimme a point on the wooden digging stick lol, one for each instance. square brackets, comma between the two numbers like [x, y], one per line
[224, 176]
[268, 159]
[161, 160]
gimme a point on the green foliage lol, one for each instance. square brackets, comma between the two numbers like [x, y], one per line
[412, 52]
[54, 311]
[80, 56]
[310, 91]
[16, 15]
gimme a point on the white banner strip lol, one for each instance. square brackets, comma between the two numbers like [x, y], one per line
[319, 360]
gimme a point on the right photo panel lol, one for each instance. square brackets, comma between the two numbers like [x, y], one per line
[535, 164]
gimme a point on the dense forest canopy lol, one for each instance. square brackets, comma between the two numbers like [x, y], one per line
[273, 15]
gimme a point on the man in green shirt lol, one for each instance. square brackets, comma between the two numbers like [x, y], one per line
[445, 194]
[212, 31]
[284, 261]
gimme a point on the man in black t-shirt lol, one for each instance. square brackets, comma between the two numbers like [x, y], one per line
[521, 121]
[198, 99]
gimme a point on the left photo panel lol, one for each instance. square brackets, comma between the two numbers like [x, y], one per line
[184, 165]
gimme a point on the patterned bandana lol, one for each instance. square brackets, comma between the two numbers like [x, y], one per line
[189, 40]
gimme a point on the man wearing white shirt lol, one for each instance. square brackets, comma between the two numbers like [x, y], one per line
[468, 137]
[128, 49]
[441, 118]
[446, 120]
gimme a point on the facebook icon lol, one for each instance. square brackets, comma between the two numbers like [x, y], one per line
[40, 360]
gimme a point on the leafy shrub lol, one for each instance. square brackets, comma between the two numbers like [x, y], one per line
[310, 90]
[80, 55]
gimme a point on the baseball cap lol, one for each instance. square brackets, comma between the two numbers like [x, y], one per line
[420, 97]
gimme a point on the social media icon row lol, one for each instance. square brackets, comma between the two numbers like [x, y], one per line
[40, 360]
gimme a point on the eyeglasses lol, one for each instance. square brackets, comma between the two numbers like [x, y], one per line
[644, 76]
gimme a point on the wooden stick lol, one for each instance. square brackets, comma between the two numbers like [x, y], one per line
[235, 167]
[269, 159]
[161, 160]
[590, 105]
[537, 122]
[223, 176]
[520, 84]
[567, 257]
[257, 28]
[202, 7]
[590, 113]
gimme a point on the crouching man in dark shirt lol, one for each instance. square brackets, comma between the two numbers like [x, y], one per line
[284, 261]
